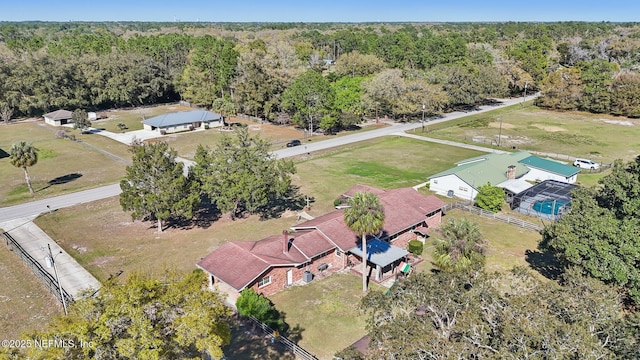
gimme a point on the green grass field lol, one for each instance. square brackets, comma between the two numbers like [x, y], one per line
[63, 165]
[132, 118]
[602, 138]
[388, 162]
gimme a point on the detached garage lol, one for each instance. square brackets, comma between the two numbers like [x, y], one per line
[58, 117]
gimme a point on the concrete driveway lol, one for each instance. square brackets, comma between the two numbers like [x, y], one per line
[127, 137]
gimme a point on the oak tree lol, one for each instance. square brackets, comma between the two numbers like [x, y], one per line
[600, 233]
[142, 318]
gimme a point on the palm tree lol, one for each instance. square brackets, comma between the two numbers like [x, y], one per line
[365, 216]
[462, 248]
[23, 155]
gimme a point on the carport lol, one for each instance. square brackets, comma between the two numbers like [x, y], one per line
[384, 256]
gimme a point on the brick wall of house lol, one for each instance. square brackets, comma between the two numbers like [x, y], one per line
[403, 240]
[279, 274]
[435, 220]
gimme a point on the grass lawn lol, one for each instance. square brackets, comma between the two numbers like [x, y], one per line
[63, 166]
[186, 143]
[25, 303]
[325, 313]
[602, 138]
[105, 241]
[388, 162]
[507, 244]
[132, 118]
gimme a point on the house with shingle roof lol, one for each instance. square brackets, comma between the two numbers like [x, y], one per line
[58, 117]
[512, 171]
[183, 121]
[324, 245]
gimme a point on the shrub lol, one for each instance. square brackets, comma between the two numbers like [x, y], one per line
[206, 126]
[250, 303]
[337, 202]
[163, 132]
[61, 134]
[349, 353]
[415, 247]
[490, 197]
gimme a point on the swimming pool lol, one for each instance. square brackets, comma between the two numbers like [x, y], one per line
[549, 206]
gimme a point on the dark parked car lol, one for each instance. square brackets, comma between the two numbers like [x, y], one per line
[293, 143]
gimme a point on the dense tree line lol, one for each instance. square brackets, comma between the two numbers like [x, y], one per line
[257, 67]
[600, 234]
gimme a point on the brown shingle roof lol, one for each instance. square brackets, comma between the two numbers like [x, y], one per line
[406, 207]
[403, 208]
[240, 263]
[332, 226]
[311, 243]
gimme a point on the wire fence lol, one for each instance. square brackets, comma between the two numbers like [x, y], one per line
[41, 273]
[489, 214]
[299, 352]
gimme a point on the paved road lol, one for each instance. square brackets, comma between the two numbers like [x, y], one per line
[74, 279]
[39, 206]
[311, 146]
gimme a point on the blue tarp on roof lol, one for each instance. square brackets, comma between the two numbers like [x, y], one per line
[182, 118]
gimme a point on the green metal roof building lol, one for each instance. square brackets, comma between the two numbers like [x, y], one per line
[463, 180]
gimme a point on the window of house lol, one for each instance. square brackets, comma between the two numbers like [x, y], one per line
[435, 181]
[462, 188]
[264, 281]
[338, 253]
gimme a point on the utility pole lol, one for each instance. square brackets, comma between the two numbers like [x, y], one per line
[500, 133]
[526, 83]
[423, 107]
[55, 271]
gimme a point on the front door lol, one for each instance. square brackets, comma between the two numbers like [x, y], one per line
[289, 277]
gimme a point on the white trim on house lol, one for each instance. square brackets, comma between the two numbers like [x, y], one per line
[442, 185]
[539, 175]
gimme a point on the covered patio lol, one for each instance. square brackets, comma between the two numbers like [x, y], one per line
[382, 256]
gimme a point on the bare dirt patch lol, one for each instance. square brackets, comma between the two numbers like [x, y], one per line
[505, 140]
[549, 128]
[618, 122]
[497, 125]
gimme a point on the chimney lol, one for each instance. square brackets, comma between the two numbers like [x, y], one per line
[285, 241]
[511, 172]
